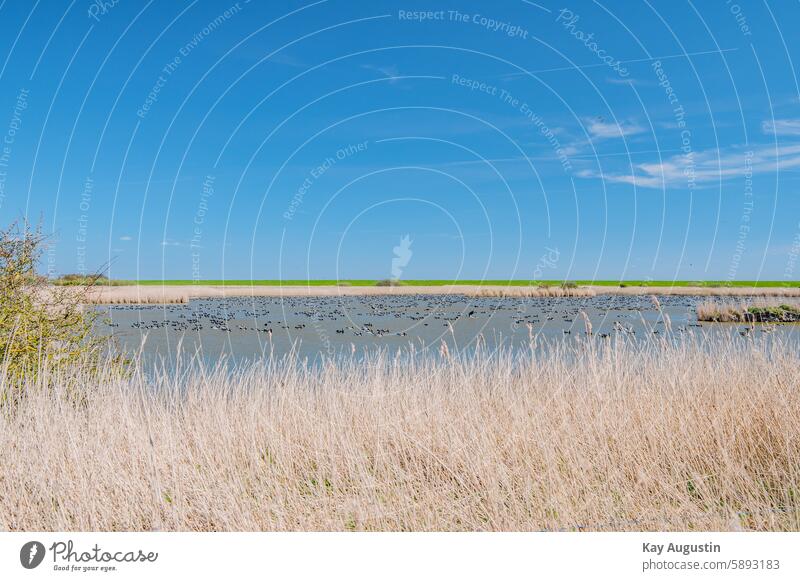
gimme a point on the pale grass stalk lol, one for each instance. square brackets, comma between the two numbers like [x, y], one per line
[587, 323]
[675, 435]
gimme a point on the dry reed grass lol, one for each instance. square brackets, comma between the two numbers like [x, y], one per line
[533, 291]
[702, 291]
[729, 311]
[720, 311]
[137, 295]
[182, 294]
[598, 435]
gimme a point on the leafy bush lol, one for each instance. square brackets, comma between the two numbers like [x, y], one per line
[389, 282]
[38, 320]
[775, 314]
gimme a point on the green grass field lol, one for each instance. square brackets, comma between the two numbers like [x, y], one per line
[365, 282]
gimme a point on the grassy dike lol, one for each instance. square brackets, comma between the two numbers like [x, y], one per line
[438, 282]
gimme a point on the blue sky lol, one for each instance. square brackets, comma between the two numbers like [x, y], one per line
[513, 139]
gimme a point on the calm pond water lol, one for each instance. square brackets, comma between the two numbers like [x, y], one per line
[246, 328]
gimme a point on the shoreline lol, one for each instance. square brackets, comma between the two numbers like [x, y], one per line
[174, 294]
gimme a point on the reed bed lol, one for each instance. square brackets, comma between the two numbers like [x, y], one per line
[721, 312]
[181, 294]
[727, 311]
[592, 435]
[702, 291]
[136, 296]
[532, 292]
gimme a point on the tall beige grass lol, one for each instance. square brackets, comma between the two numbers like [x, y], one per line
[728, 310]
[703, 291]
[721, 311]
[134, 294]
[605, 435]
[533, 291]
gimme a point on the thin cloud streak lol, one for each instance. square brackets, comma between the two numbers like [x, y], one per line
[600, 129]
[781, 127]
[705, 167]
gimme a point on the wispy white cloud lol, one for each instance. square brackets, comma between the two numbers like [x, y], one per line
[390, 72]
[781, 126]
[600, 129]
[629, 81]
[705, 167]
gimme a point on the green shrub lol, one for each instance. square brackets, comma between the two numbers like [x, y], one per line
[389, 282]
[38, 320]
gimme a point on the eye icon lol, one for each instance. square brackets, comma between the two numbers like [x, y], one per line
[31, 554]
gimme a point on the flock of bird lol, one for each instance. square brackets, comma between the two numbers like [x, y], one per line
[417, 316]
